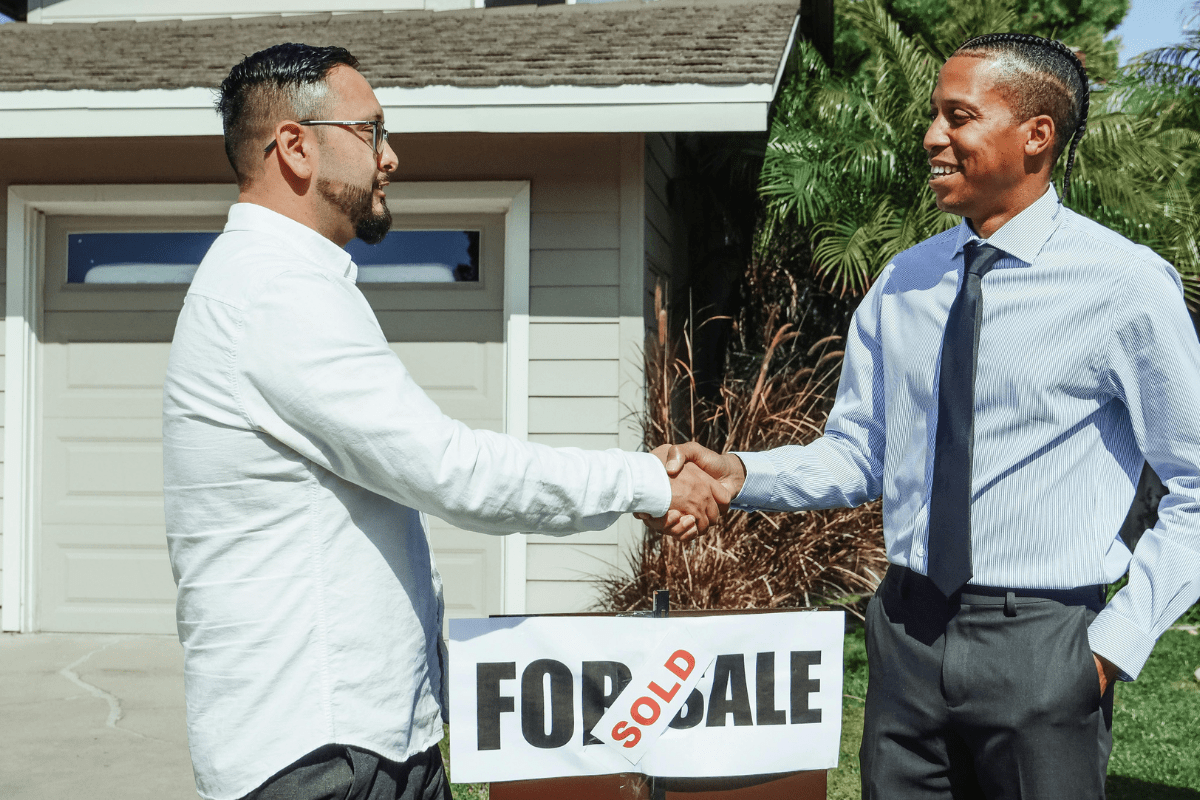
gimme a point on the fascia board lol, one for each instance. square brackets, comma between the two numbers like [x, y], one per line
[84, 113]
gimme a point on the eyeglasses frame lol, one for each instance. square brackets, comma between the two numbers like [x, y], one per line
[379, 133]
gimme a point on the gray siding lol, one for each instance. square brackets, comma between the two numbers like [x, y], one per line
[574, 358]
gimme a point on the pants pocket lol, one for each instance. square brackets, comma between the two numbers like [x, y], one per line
[1091, 677]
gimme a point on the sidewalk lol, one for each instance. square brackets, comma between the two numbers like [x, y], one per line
[92, 716]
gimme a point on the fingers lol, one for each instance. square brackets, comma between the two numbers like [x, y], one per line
[694, 495]
[680, 454]
[673, 523]
[675, 460]
[700, 489]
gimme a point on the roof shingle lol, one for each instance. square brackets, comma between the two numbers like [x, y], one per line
[711, 42]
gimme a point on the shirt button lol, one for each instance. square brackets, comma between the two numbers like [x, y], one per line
[920, 550]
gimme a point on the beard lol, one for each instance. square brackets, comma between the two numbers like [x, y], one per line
[358, 205]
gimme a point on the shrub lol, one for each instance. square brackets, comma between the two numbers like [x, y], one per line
[750, 560]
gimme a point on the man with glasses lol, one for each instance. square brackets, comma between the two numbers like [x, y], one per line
[300, 459]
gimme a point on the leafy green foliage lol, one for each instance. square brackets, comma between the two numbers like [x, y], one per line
[942, 25]
[845, 162]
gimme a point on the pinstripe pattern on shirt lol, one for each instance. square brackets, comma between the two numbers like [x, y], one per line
[1088, 365]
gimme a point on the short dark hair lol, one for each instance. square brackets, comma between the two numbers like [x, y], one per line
[286, 81]
[1046, 78]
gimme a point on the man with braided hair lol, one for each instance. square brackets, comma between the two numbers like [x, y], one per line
[1004, 383]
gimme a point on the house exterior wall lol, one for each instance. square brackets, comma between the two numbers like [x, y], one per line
[586, 283]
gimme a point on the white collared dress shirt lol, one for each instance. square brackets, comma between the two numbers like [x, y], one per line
[1088, 363]
[300, 459]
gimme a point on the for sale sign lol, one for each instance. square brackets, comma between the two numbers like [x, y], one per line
[546, 697]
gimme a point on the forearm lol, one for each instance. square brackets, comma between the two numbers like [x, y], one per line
[336, 394]
[831, 472]
[1164, 581]
[494, 483]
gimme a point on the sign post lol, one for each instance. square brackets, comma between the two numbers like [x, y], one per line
[696, 705]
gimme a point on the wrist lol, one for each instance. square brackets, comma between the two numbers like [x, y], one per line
[736, 474]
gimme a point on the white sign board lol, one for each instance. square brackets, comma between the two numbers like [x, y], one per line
[548, 697]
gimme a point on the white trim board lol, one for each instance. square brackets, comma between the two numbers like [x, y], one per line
[87, 113]
[27, 207]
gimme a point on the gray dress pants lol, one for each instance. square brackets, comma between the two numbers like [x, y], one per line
[982, 696]
[337, 772]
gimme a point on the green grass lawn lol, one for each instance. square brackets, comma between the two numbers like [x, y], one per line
[1156, 726]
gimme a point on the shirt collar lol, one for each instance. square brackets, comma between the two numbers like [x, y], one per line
[296, 235]
[1024, 235]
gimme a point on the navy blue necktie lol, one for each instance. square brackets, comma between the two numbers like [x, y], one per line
[950, 502]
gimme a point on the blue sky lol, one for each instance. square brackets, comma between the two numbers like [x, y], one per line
[1149, 24]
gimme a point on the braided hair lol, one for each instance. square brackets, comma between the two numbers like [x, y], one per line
[1043, 77]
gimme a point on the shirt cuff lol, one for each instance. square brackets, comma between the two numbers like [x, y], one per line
[651, 488]
[1121, 642]
[760, 481]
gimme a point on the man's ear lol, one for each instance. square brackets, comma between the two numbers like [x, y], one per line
[295, 147]
[1041, 135]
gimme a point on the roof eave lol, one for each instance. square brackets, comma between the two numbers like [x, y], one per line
[84, 113]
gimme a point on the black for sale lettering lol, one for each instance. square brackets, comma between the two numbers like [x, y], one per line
[533, 704]
[692, 712]
[764, 692]
[602, 682]
[489, 704]
[729, 692]
[803, 686]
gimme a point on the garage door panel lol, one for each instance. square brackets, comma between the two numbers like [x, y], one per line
[106, 577]
[465, 379]
[88, 380]
[102, 471]
[469, 564]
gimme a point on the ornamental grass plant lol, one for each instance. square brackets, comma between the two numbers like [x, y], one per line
[750, 560]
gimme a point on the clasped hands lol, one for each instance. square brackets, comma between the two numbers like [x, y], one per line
[703, 483]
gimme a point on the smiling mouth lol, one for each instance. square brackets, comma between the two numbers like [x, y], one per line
[940, 170]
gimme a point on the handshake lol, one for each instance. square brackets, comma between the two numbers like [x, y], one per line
[703, 483]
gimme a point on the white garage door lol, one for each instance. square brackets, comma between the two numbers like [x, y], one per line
[101, 558]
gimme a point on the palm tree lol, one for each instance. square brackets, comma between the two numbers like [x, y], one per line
[1176, 65]
[845, 163]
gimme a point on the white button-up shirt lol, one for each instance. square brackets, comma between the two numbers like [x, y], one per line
[300, 459]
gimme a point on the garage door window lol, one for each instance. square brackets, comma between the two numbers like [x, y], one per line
[157, 257]
[162, 257]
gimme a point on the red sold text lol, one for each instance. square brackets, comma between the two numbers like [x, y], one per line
[602, 681]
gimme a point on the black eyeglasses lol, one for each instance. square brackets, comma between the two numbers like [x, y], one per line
[379, 133]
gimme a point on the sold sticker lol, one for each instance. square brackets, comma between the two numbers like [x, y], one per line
[656, 692]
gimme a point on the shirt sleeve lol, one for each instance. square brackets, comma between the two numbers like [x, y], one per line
[315, 373]
[1153, 367]
[844, 467]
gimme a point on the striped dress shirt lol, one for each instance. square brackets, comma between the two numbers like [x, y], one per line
[1088, 364]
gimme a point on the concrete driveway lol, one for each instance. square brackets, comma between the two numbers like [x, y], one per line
[92, 716]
